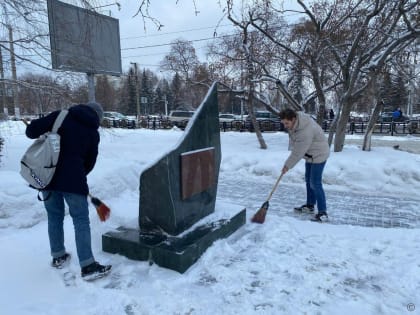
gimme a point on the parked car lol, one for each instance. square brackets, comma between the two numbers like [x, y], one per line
[265, 115]
[267, 121]
[116, 119]
[227, 118]
[415, 117]
[180, 118]
[231, 122]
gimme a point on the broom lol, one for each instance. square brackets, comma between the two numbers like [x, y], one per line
[259, 216]
[101, 208]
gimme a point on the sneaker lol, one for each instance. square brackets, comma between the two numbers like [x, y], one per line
[305, 208]
[95, 271]
[59, 262]
[320, 217]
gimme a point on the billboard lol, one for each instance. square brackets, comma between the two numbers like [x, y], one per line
[83, 40]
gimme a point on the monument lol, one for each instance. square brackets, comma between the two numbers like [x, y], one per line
[179, 217]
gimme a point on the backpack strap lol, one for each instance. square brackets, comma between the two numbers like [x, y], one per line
[59, 120]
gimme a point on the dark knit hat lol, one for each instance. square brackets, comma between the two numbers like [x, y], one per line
[97, 108]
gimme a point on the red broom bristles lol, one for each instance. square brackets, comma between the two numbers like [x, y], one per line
[259, 216]
[102, 209]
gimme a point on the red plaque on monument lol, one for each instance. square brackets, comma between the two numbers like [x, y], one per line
[197, 171]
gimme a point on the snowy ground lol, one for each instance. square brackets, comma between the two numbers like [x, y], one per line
[286, 266]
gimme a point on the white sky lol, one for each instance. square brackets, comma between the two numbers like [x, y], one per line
[148, 46]
[287, 265]
[179, 20]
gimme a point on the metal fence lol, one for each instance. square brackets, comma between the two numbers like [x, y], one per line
[353, 127]
[383, 128]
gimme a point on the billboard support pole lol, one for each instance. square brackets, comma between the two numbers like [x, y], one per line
[137, 90]
[91, 86]
[14, 75]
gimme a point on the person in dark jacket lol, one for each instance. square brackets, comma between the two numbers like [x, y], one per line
[397, 114]
[331, 114]
[78, 152]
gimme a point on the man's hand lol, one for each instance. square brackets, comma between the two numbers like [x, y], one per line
[26, 122]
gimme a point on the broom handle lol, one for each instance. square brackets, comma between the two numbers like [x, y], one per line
[275, 186]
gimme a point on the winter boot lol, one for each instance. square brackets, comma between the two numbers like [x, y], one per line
[95, 271]
[59, 262]
[305, 208]
[320, 217]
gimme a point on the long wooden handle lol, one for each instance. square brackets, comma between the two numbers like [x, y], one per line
[275, 186]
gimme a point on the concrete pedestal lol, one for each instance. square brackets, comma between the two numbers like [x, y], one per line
[175, 252]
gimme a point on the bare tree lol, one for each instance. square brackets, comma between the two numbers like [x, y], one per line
[250, 46]
[374, 32]
[181, 60]
[26, 21]
[302, 49]
[27, 42]
[40, 94]
[105, 92]
[356, 37]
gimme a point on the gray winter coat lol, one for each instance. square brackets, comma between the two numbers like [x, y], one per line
[307, 140]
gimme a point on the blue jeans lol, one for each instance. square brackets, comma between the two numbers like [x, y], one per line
[79, 211]
[314, 190]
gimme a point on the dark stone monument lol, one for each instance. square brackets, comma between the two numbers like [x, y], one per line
[177, 193]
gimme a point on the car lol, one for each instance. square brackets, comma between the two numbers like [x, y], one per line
[116, 119]
[231, 121]
[267, 121]
[180, 118]
[265, 115]
[227, 118]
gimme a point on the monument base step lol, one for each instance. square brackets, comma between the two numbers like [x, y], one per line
[173, 252]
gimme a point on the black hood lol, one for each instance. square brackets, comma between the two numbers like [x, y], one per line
[85, 115]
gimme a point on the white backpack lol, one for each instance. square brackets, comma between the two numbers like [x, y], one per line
[38, 164]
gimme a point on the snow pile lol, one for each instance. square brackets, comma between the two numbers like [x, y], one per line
[285, 266]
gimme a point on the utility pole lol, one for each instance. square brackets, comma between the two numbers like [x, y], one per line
[166, 105]
[14, 75]
[3, 86]
[137, 90]
[241, 97]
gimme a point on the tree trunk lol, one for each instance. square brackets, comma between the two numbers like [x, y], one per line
[321, 113]
[254, 121]
[371, 126]
[321, 110]
[340, 134]
[251, 84]
[332, 130]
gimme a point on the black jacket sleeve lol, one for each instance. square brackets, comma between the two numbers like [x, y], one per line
[90, 159]
[40, 126]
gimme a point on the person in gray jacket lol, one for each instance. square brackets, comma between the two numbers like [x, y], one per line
[307, 141]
